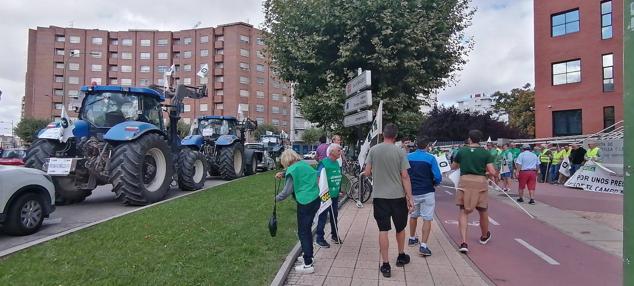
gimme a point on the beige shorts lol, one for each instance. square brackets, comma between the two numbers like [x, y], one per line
[472, 192]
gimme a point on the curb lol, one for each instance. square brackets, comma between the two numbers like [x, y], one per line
[69, 231]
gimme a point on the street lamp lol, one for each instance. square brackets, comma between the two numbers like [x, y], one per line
[72, 53]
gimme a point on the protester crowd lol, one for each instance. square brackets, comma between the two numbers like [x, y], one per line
[404, 179]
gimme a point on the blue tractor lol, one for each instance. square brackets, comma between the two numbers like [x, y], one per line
[221, 139]
[120, 138]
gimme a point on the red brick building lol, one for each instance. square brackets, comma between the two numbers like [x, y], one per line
[578, 66]
[61, 60]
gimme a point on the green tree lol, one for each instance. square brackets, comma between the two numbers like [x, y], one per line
[262, 128]
[411, 47]
[28, 127]
[183, 128]
[519, 104]
[311, 135]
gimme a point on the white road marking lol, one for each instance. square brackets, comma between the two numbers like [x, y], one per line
[537, 252]
[493, 222]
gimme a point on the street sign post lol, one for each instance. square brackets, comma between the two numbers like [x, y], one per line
[358, 102]
[358, 118]
[361, 82]
[628, 153]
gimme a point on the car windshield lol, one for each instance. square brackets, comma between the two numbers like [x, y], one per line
[13, 154]
[209, 127]
[107, 109]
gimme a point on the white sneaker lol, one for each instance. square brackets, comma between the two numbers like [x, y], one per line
[300, 259]
[305, 269]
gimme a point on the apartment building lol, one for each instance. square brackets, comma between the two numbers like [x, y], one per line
[578, 66]
[61, 60]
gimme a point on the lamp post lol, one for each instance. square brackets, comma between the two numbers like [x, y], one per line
[71, 54]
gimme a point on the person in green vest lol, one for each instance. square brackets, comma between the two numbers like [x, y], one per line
[497, 158]
[301, 181]
[333, 174]
[594, 152]
[545, 158]
[558, 156]
[506, 170]
[516, 152]
[566, 150]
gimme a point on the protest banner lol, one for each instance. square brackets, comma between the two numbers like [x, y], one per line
[443, 164]
[565, 167]
[377, 128]
[596, 178]
[324, 195]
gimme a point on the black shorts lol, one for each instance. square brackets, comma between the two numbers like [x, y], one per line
[396, 209]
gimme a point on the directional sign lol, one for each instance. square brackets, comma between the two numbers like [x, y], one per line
[357, 102]
[357, 118]
[358, 83]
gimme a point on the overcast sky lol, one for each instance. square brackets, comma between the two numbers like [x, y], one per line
[502, 29]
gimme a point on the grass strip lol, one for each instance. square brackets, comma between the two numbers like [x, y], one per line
[215, 237]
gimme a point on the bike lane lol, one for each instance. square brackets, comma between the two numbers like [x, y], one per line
[525, 251]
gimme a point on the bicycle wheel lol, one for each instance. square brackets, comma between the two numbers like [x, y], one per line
[366, 193]
[345, 185]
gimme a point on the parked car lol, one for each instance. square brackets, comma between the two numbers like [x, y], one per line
[27, 196]
[13, 157]
[310, 155]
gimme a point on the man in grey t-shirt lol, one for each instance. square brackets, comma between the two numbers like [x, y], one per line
[392, 193]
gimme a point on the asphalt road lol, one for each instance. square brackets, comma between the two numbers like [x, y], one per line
[100, 205]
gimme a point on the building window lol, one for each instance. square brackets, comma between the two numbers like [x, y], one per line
[58, 106]
[259, 94]
[96, 80]
[259, 54]
[187, 108]
[126, 42]
[145, 69]
[75, 53]
[97, 41]
[260, 80]
[204, 53]
[284, 99]
[244, 66]
[95, 68]
[244, 53]
[608, 72]
[259, 108]
[284, 111]
[204, 107]
[187, 67]
[608, 118]
[204, 39]
[220, 92]
[259, 41]
[126, 81]
[58, 92]
[162, 56]
[59, 52]
[244, 39]
[59, 78]
[162, 42]
[567, 122]
[114, 55]
[187, 54]
[203, 80]
[187, 81]
[275, 97]
[59, 38]
[275, 122]
[606, 20]
[126, 56]
[244, 93]
[146, 43]
[244, 80]
[126, 69]
[145, 56]
[220, 38]
[73, 80]
[276, 84]
[114, 42]
[565, 23]
[220, 65]
[284, 123]
[219, 79]
[259, 120]
[220, 51]
[275, 109]
[220, 106]
[96, 55]
[187, 41]
[73, 93]
[73, 66]
[162, 69]
[243, 107]
[259, 68]
[75, 40]
[567, 72]
[113, 81]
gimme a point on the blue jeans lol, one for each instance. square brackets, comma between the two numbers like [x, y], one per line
[574, 168]
[554, 172]
[543, 169]
[321, 223]
[305, 215]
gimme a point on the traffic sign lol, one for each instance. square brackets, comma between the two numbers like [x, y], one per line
[357, 118]
[357, 102]
[358, 83]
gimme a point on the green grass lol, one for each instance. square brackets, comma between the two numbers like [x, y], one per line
[215, 237]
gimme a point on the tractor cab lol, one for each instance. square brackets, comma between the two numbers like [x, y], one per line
[215, 126]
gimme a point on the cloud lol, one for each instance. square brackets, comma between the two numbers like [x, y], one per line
[502, 57]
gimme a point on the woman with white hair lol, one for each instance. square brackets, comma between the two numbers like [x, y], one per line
[301, 180]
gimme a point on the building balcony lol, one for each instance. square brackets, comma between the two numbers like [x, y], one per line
[218, 99]
[113, 48]
[219, 44]
[219, 85]
[219, 71]
[218, 58]
[219, 31]
[58, 58]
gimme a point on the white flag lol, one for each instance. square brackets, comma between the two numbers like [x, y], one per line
[377, 128]
[443, 164]
[323, 193]
[564, 169]
[204, 69]
[170, 71]
[454, 177]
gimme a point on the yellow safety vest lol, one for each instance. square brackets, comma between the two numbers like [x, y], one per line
[593, 153]
[543, 157]
[558, 156]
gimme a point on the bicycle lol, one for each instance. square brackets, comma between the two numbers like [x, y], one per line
[356, 186]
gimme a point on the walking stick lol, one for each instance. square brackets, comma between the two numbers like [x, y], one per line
[497, 188]
[335, 222]
[547, 173]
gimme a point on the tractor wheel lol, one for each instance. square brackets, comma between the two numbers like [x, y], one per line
[231, 161]
[39, 153]
[141, 170]
[192, 170]
[213, 169]
[252, 167]
[66, 192]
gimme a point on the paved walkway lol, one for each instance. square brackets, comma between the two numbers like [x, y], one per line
[356, 262]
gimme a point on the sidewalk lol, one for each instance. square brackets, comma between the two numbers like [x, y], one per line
[356, 262]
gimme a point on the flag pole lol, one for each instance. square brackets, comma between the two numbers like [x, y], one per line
[497, 188]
